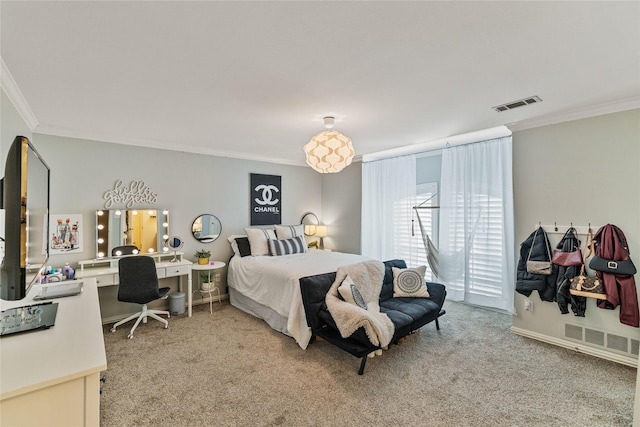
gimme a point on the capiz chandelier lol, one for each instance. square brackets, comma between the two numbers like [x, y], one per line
[329, 151]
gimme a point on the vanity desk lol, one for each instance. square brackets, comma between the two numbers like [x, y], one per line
[105, 271]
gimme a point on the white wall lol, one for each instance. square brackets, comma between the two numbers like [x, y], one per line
[341, 208]
[580, 172]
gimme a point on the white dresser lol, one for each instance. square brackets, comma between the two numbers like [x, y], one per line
[105, 271]
[52, 377]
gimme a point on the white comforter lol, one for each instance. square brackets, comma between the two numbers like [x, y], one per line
[273, 281]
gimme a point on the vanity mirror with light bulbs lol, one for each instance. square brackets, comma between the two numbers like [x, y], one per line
[118, 231]
[145, 229]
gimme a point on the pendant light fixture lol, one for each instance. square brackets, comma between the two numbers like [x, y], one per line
[329, 151]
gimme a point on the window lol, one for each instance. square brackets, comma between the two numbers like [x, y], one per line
[408, 244]
[483, 226]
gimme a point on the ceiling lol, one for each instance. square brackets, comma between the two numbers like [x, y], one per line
[254, 79]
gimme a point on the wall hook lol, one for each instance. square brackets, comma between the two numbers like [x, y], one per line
[555, 226]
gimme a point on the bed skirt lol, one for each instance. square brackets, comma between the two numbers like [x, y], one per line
[273, 319]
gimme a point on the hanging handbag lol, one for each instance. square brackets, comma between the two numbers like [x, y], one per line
[544, 268]
[583, 285]
[620, 267]
[587, 286]
[625, 267]
[567, 259]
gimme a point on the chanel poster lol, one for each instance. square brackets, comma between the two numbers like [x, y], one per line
[266, 199]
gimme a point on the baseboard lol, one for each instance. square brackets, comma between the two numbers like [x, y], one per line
[196, 301]
[577, 347]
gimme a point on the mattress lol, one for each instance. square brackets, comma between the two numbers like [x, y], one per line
[273, 282]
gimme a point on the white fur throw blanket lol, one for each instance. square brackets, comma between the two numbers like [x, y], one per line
[368, 277]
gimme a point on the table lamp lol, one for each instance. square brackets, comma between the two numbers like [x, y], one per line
[321, 231]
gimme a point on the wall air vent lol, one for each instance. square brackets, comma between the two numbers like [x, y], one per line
[602, 339]
[573, 331]
[594, 337]
[516, 104]
[617, 342]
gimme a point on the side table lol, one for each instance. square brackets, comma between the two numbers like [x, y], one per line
[209, 268]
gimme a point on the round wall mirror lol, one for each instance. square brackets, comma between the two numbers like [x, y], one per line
[310, 221]
[206, 228]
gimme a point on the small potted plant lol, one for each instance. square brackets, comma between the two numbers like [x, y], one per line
[206, 282]
[203, 256]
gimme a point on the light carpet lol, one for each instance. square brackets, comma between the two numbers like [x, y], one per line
[230, 369]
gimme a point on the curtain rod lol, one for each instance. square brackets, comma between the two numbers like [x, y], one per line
[465, 138]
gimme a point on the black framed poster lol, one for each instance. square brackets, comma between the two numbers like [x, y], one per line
[266, 199]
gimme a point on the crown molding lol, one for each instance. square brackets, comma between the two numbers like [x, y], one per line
[16, 97]
[148, 143]
[577, 114]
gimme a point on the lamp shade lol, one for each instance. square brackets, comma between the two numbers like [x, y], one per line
[321, 230]
[329, 152]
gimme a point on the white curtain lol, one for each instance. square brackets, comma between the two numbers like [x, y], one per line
[388, 187]
[476, 223]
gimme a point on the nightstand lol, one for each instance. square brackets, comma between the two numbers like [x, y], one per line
[212, 288]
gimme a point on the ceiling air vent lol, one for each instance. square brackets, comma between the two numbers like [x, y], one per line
[516, 104]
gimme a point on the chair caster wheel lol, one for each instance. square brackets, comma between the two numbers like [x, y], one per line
[113, 329]
[130, 336]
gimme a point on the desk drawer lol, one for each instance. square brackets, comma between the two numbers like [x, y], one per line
[178, 270]
[106, 280]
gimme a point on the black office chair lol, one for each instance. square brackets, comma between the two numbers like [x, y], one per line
[124, 250]
[139, 284]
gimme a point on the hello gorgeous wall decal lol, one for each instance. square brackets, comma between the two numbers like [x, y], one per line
[136, 192]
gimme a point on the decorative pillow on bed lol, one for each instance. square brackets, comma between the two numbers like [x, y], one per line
[350, 293]
[295, 245]
[258, 238]
[244, 248]
[409, 282]
[289, 231]
[240, 245]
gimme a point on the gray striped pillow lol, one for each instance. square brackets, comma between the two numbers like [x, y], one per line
[295, 245]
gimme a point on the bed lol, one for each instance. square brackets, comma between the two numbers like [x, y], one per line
[268, 286]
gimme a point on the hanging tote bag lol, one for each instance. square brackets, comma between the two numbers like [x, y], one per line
[544, 268]
[583, 285]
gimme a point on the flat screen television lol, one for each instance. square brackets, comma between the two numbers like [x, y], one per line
[25, 201]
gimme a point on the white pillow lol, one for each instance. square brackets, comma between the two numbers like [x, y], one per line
[289, 231]
[409, 282]
[258, 240]
[295, 245]
[350, 293]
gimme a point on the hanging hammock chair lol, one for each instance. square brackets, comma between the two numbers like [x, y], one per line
[455, 261]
